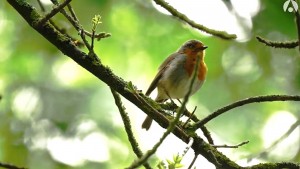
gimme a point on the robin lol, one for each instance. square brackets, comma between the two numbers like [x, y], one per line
[175, 74]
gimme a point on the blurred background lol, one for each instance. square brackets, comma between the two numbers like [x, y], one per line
[56, 115]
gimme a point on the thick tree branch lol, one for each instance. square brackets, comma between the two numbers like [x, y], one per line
[282, 165]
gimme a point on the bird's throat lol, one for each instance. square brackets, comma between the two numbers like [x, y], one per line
[190, 66]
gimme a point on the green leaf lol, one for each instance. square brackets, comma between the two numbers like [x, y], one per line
[177, 158]
[171, 166]
[178, 165]
[96, 21]
[169, 162]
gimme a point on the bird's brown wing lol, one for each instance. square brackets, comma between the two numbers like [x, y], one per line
[160, 73]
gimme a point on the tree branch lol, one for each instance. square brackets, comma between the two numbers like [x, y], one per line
[234, 146]
[282, 165]
[174, 12]
[257, 99]
[275, 44]
[127, 124]
[171, 107]
[53, 12]
[298, 26]
[193, 161]
[75, 23]
[10, 166]
[285, 135]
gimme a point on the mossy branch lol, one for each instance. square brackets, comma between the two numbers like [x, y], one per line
[127, 124]
[53, 12]
[257, 99]
[174, 12]
[277, 44]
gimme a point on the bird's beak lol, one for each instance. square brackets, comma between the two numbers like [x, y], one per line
[201, 48]
[204, 47]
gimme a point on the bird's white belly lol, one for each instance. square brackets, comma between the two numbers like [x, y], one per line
[179, 90]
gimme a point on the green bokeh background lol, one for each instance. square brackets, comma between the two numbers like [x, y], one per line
[141, 38]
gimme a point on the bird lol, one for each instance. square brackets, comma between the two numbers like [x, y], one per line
[175, 74]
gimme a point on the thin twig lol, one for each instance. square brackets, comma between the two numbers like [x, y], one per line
[189, 118]
[86, 43]
[234, 146]
[174, 12]
[72, 12]
[298, 26]
[189, 145]
[41, 5]
[193, 161]
[63, 31]
[97, 36]
[275, 143]
[257, 99]
[127, 124]
[291, 129]
[171, 126]
[275, 44]
[73, 19]
[171, 106]
[75, 23]
[207, 135]
[92, 38]
[53, 12]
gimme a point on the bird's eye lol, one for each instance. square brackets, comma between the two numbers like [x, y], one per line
[190, 45]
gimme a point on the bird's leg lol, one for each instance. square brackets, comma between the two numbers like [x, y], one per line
[166, 92]
[190, 117]
[181, 105]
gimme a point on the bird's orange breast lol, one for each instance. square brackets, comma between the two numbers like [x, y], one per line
[191, 63]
